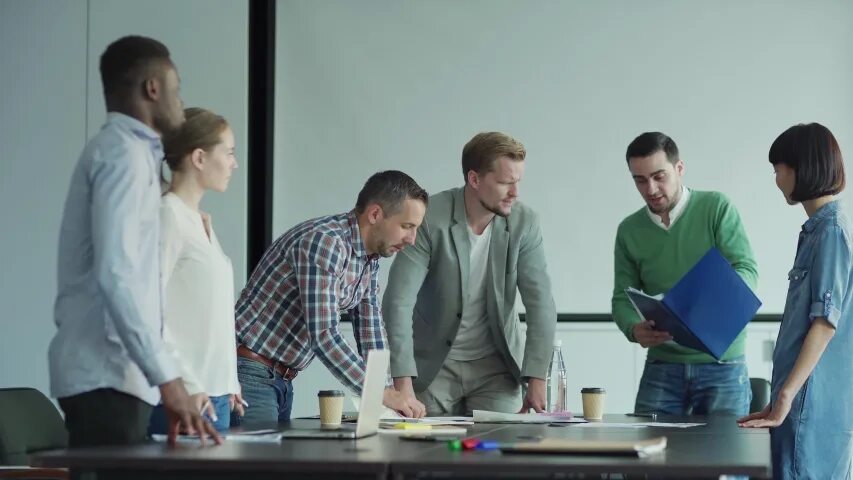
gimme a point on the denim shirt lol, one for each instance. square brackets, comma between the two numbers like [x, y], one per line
[819, 286]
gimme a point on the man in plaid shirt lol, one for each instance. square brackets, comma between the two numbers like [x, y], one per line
[289, 311]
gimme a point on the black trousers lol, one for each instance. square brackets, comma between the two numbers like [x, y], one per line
[104, 417]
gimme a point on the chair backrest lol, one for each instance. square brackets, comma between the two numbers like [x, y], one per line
[29, 423]
[760, 394]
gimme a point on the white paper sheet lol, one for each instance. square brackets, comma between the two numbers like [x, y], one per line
[485, 416]
[639, 425]
[256, 436]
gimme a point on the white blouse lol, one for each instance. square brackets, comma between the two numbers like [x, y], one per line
[198, 282]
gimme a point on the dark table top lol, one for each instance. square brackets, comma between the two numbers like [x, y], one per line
[719, 447]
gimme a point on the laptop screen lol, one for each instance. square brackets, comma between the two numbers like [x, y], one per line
[372, 392]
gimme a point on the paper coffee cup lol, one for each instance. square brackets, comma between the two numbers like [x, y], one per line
[331, 407]
[593, 403]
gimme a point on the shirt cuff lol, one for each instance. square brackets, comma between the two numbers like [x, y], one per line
[825, 309]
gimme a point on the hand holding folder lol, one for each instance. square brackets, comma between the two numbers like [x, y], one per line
[706, 310]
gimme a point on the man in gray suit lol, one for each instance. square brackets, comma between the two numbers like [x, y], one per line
[449, 307]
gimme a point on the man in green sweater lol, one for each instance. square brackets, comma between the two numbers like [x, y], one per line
[655, 247]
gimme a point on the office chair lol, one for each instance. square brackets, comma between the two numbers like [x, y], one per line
[760, 394]
[29, 423]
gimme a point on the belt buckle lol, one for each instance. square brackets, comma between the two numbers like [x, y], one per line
[281, 369]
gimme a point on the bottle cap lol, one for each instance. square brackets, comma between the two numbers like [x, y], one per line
[558, 342]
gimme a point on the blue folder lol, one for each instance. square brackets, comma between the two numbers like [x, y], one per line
[706, 310]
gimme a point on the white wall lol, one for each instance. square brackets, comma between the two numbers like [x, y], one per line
[375, 84]
[52, 103]
[208, 40]
[42, 130]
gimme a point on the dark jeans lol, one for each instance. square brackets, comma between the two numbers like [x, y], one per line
[269, 396]
[694, 389]
[104, 417]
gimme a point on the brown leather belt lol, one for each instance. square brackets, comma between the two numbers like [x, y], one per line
[286, 373]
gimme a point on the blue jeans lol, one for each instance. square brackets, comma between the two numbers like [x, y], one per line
[270, 397]
[694, 389]
[159, 422]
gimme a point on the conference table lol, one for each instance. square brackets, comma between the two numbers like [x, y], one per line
[718, 448]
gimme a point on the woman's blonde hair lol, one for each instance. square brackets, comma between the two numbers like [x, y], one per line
[202, 129]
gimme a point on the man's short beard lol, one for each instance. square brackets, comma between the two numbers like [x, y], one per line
[384, 252]
[670, 206]
[494, 210]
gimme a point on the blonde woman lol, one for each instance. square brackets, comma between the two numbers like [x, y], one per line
[197, 276]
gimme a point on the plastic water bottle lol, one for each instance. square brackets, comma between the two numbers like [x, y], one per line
[556, 380]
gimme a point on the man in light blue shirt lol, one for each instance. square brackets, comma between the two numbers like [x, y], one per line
[108, 357]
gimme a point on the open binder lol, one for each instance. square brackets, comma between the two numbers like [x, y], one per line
[706, 310]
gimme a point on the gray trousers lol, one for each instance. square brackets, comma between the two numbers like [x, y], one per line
[461, 387]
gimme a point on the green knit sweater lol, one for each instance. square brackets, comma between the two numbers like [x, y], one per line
[652, 259]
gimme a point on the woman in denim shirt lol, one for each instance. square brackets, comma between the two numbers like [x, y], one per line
[811, 409]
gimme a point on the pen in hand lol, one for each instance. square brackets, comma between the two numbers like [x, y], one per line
[207, 407]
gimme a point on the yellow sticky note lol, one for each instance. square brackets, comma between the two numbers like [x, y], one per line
[412, 426]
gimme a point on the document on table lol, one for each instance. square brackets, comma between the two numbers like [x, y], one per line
[422, 430]
[391, 416]
[434, 421]
[249, 436]
[485, 416]
[640, 425]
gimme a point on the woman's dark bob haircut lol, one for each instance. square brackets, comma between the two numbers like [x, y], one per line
[812, 151]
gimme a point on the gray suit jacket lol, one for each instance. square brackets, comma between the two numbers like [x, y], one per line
[422, 306]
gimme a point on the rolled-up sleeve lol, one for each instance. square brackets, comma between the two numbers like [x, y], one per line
[830, 275]
[119, 190]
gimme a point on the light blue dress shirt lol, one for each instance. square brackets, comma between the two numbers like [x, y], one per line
[109, 301]
[816, 439]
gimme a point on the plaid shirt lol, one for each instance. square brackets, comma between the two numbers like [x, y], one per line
[290, 309]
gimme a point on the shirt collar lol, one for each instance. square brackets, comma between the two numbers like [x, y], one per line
[140, 129]
[820, 215]
[357, 242]
[674, 213]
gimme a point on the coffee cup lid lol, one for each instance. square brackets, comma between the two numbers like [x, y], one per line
[593, 390]
[330, 393]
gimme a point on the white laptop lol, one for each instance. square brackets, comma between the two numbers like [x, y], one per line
[369, 409]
